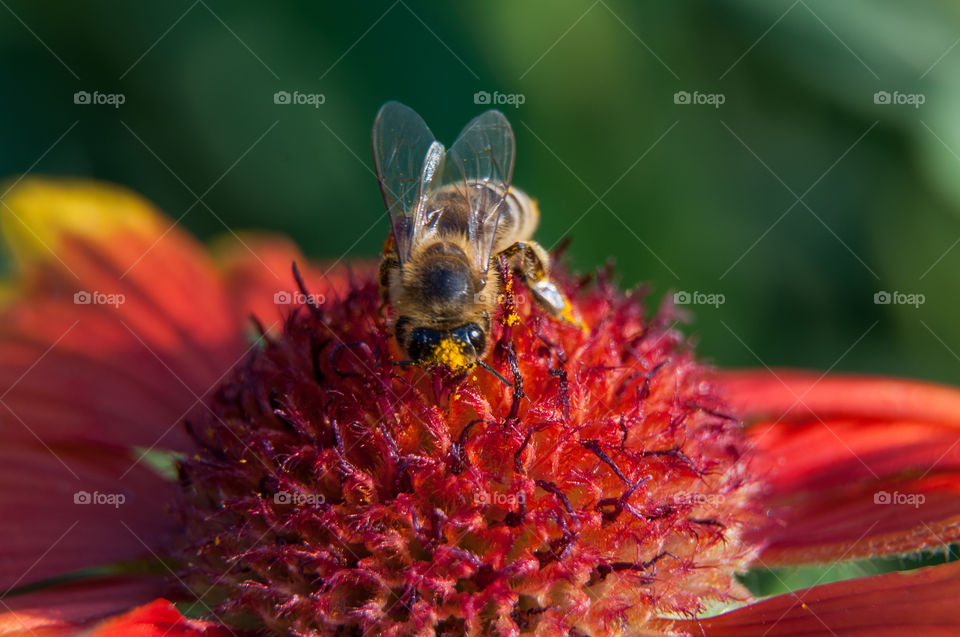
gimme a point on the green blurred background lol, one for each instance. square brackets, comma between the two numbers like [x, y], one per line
[695, 198]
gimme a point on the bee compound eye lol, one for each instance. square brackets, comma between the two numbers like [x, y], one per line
[475, 336]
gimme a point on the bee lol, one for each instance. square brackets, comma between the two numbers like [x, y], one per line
[453, 213]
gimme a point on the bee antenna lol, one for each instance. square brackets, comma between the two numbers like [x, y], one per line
[495, 373]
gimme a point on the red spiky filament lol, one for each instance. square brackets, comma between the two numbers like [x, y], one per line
[337, 493]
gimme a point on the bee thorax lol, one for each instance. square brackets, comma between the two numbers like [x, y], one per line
[446, 285]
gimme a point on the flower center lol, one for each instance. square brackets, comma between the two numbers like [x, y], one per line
[335, 493]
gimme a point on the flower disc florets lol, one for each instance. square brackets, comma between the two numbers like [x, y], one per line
[337, 493]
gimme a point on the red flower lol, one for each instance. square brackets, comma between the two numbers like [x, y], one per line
[319, 489]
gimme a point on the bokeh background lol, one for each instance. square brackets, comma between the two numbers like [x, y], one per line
[829, 173]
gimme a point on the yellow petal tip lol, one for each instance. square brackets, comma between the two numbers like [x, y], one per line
[37, 213]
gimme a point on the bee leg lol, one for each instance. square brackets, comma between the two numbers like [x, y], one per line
[388, 264]
[383, 276]
[530, 258]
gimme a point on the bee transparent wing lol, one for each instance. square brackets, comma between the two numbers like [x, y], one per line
[480, 166]
[407, 158]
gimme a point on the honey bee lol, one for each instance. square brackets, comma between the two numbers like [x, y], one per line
[453, 212]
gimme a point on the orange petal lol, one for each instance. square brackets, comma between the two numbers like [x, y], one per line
[157, 619]
[60, 609]
[123, 322]
[257, 270]
[41, 631]
[68, 507]
[919, 602]
[798, 395]
[72, 236]
[861, 467]
[76, 372]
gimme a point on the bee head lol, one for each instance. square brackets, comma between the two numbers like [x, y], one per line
[457, 348]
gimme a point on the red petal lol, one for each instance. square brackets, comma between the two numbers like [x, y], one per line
[76, 603]
[157, 619]
[47, 529]
[128, 373]
[798, 395]
[918, 602]
[257, 272]
[40, 631]
[255, 268]
[128, 366]
[833, 459]
[71, 235]
[77, 372]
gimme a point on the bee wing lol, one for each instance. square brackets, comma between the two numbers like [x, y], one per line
[407, 158]
[480, 166]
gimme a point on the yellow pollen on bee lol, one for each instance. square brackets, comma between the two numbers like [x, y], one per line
[567, 315]
[451, 353]
[511, 317]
